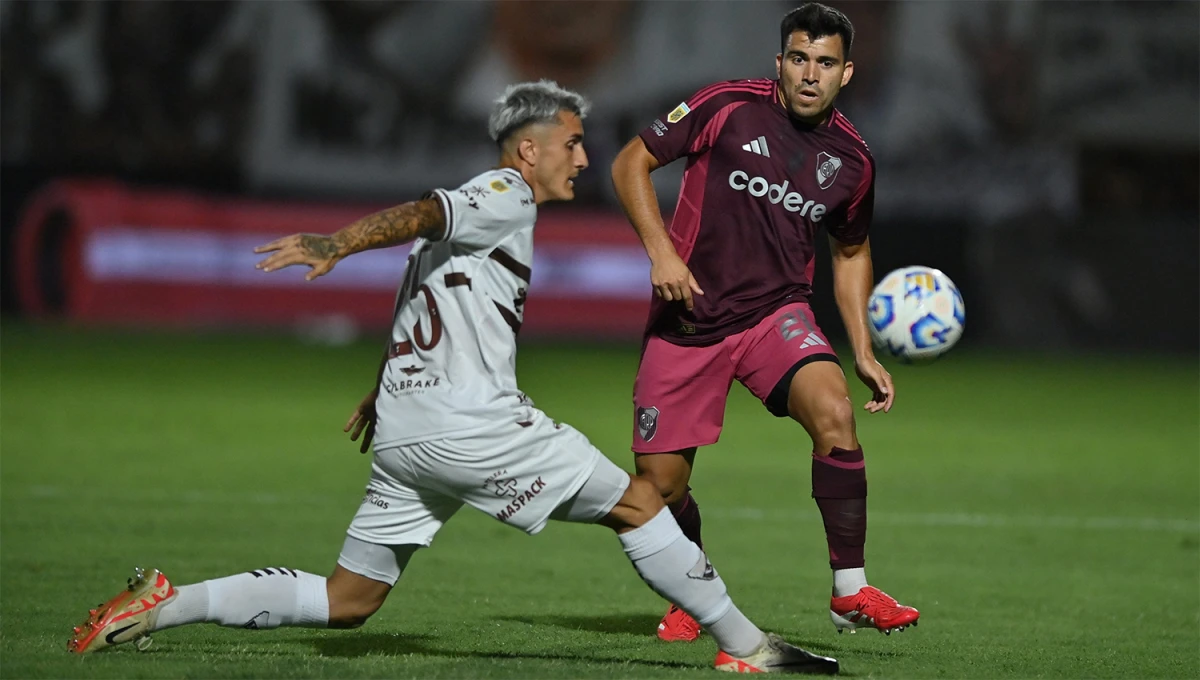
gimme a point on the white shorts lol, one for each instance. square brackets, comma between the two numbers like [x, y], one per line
[519, 474]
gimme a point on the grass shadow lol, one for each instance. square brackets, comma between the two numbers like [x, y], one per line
[352, 645]
[645, 624]
[840, 652]
[637, 624]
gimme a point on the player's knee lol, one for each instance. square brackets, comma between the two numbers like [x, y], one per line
[643, 500]
[669, 488]
[841, 413]
[353, 598]
[674, 494]
[670, 484]
[834, 424]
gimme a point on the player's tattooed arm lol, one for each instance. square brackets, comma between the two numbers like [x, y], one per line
[391, 227]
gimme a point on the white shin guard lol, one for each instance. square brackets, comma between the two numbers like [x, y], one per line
[677, 569]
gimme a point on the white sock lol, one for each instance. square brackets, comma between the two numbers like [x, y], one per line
[677, 569]
[848, 581]
[263, 598]
[189, 606]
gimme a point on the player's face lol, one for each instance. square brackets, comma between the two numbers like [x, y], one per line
[560, 157]
[811, 73]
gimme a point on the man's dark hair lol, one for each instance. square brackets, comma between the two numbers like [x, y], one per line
[818, 21]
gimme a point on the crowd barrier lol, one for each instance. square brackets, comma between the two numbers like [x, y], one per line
[98, 251]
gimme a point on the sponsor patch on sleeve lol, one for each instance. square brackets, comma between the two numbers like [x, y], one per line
[679, 112]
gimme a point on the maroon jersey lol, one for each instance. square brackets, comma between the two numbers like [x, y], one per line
[757, 186]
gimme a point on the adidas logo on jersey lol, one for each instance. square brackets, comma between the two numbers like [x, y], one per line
[758, 146]
[777, 193]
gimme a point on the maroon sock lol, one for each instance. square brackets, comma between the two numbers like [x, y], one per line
[687, 514]
[839, 483]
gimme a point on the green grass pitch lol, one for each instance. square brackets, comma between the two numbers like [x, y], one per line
[1043, 514]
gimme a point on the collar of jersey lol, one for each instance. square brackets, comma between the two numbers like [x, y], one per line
[518, 176]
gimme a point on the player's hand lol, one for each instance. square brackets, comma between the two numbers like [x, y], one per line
[319, 252]
[876, 377]
[672, 280]
[363, 419]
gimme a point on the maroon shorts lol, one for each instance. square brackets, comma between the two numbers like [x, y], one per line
[679, 394]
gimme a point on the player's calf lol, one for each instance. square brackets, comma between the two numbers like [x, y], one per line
[678, 569]
[670, 473]
[673, 566]
[676, 625]
[353, 598]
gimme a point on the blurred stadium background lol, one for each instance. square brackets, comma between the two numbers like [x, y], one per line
[1045, 155]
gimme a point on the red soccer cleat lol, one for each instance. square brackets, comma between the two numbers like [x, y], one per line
[677, 626]
[870, 607]
[128, 617]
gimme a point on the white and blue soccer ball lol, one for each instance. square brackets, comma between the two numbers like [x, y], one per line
[916, 314]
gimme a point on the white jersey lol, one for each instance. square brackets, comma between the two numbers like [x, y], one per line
[451, 367]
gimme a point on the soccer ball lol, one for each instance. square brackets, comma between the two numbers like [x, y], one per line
[916, 314]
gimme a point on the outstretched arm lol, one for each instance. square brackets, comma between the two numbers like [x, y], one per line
[669, 274]
[391, 227]
[853, 277]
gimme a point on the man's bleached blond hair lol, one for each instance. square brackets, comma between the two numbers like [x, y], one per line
[533, 102]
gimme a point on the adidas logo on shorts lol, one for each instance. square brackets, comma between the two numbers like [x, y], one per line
[812, 341]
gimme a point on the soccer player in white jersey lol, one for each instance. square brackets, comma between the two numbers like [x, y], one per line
[450, 425]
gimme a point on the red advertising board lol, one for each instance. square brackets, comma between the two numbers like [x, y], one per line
[103, 252]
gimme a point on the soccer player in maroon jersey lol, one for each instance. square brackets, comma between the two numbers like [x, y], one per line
[768, 162]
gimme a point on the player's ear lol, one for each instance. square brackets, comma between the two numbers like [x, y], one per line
[848, 73]
[779, 65]
[527, 150]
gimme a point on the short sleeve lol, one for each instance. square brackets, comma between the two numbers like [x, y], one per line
[856, 222]
[689, 129]
[486, 210]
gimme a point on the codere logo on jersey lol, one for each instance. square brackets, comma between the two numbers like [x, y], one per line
[777, 193]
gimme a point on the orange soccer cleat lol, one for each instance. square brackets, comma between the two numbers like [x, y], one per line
[128, 617]
[870, 607]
